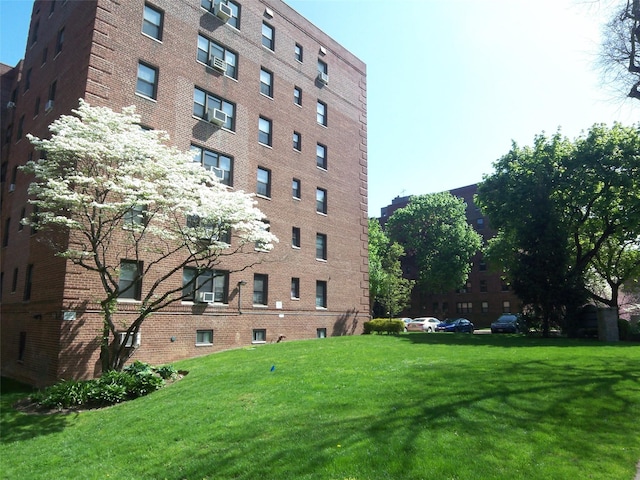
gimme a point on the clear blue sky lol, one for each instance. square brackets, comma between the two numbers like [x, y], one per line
[450, 83]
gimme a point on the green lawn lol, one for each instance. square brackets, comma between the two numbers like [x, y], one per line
[415, 406]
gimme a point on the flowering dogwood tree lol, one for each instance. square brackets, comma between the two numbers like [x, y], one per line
[106, 189]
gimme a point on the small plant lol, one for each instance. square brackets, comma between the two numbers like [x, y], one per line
[382, 325]
[167, 371]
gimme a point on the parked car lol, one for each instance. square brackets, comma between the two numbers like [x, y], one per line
[457, 325]
[507, 323]
[423, 324]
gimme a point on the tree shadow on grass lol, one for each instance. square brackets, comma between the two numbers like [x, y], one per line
[16, 426]
[578, 409]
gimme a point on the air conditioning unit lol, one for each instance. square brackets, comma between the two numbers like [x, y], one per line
[11, 105]
[48, 106]
[222, 11]
[217, 64]
[132, 341]
[217, 117]
[204, 297]
[12, 187]
[323, 78]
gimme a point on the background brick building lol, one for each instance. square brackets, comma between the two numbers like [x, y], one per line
[485, 297]
[293, 131]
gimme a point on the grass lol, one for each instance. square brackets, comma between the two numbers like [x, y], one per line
[416, 406]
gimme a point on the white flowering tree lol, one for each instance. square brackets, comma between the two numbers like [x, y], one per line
[106, 189]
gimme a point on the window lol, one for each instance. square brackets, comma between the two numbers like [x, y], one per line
[321, 200]
[7, 134]
[464, 307]
[264, 127]
[480, 224]
[298, 52]
[482, 266]
[208, 50]
[297, 141]
[322, 67]
[295, 237]
[204, 337]
[321, 246]
[321, 156]
[195, 281]
[259, 335]
[234, 21]
[53, 7]
[152, 19]
[34, 33]
[135, 216]
[295, 288]
[483, 286]
[45, 54]
[297, 95]
[321, 332]
[296, 188]
[260, 289]
[20, 128]
[504, 286]
[27, 283]
[147, 83]
[27, 80]
[321, 113]
[52, 91]
[60, 41]
[506, 306]
[36, 108]
[321, 294]
[130, 281]
[268, 36]
[484, 307]
[14, 282]
[266, 82]
[204, 102]
[221, 164]
[23, 214]
[263, 187]
[207, 231]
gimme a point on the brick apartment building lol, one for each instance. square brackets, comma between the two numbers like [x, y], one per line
[257, 92]
[485, 296]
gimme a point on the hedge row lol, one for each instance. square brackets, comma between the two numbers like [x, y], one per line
[382, 325]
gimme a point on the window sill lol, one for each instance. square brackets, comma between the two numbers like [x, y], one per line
[322, 260]
[152, 38]
[262, 196]
[270, 97]
[140, 95]
[128, 300]
[265, 145]
[204, 344]
[258, 342]
[255, 305]
[295, 247]
[320, 308]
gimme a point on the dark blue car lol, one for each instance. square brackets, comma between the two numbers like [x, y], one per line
[458, 325]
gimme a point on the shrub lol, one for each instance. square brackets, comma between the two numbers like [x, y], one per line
[167, 371]
[382, 325]
[112, 387]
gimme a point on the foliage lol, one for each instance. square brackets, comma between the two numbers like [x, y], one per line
[388, 289]
[565, 210]
[135, 380]
[434, 232]
[106, 190]
[365, 407]
[167, 371]
[383, 325]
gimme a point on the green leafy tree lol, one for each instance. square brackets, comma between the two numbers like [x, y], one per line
[561, 208]
[388, 290]
[108, 190]
[439, 242]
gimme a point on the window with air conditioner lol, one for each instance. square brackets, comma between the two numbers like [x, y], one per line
[205, 285]
[217, 56]
[211, 109]
[220, 164]
[129, 341]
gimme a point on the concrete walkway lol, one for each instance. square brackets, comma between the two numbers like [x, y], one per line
[637, 472]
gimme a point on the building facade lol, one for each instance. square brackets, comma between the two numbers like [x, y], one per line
[485, 296]
[257, 93]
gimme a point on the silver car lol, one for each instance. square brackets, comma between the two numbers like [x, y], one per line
[423, 324]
